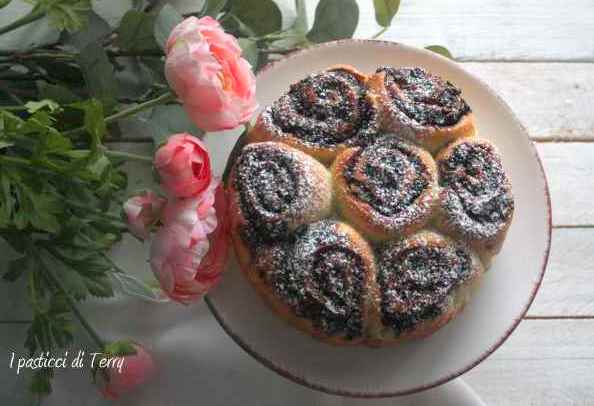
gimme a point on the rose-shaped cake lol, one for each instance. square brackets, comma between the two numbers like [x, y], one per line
[363, 208]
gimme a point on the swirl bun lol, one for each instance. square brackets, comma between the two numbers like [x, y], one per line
[322, 114]
[319, 281]
[422, 106]
[424, 281]
[476, 201]
[386, 189]
[348, 255]
[274, 190]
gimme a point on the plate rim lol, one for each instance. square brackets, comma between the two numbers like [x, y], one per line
[384, 394]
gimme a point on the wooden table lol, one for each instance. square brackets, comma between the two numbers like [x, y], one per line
[539, 55]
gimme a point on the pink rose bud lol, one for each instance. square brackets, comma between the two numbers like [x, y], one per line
[142, 212]
[205, 69]
[183, 164]
[189, 253]
[130, 365]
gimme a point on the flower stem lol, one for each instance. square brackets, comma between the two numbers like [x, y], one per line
[164, 98]
[34, 15]
[16, 321]
[301, 21]
[128, 156]
[74, 307]
[15, 160]
[380, 32]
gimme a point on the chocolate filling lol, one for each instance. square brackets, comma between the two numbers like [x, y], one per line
[326, 109]
[423, 97]
[415, 282]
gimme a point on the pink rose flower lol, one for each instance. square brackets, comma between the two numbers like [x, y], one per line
[183, 164]
[189, 252]
[136, 369]
[143, 211]
[204, 67]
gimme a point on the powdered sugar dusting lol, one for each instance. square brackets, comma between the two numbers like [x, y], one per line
[325, 109]
[320, 276]
[391, 177]
[425, 99]
[416, 278]
[476, 195]
[275, 189]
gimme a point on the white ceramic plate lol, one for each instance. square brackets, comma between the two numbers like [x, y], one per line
[508, 288]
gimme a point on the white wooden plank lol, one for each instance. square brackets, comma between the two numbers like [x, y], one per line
[544, 363]
[493, 29]
[570, 172]
[553, 100]
[567, 288]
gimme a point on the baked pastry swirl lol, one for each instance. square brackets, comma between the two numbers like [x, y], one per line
[319, 281]
[274, 190]
[365, 178]
[388, 243]
[424, 281]
[476, 201]
[321, 114]
[421, 106]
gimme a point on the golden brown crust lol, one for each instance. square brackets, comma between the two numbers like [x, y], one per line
[264, 262]
[485, 237]
[265, 130]
[311, 191]
[455, 301]
[262, 132]
[259, 258]
[433, 138]
[369, 221]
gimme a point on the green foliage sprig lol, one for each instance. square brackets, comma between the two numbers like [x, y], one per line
[63, 98]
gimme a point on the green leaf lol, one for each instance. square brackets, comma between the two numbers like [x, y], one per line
[112, 11]
[236, 27]
[212, 7]
[46, 207]
[100, 286]
[41, 382]
[34, 106]
[261, 16]
[69, 15]
[28, 36]
[95, 31]
[16, 269]
[60, 94]
[385, 10]
[120, 348]
[17, 241]
[334, 19]
[167, 19]
[135, 79]
[132, 286]
[94, 120]
[167, 120]
[99, 75]
[300, 24]
[4, 3]
[135, 32]
[249, 50]
[5, 144]
[438, 49]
